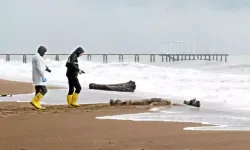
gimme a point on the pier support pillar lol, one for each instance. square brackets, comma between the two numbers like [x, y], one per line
[57, 57]
[8, 57]
[24, 59]
[105, 58]
[167, 58]
[152, 58]
[89, 57]
[120, 58]
[137, 58]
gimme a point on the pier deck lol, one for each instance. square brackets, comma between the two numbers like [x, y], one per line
[164, 57]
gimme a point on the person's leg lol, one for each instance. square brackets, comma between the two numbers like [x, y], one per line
[41, 89]
[71, 90]
[40, 92]
[78, 87]
[37, 89]
[71, 86]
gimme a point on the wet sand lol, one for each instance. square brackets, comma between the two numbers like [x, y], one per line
[16, 87]
[62, 128]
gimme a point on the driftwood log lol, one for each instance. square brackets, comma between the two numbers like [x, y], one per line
[152, 101]
[129, 86]
[5, 95]
[192, 102]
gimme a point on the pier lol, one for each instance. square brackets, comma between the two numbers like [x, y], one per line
[152, 57]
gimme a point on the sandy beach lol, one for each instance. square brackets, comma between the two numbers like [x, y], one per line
[61, 128]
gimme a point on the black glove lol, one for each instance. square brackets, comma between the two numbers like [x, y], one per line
[82, 71]
[47, 69]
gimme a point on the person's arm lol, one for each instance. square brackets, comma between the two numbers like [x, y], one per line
[38, 67]
[72, 60]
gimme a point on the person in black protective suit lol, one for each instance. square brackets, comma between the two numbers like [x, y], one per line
[38, 76]
[72, 75]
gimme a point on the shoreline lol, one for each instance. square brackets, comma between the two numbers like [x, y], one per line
[61, 128]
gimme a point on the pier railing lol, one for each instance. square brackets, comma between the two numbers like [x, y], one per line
[164, 57]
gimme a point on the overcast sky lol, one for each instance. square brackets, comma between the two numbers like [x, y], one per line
[124, 25]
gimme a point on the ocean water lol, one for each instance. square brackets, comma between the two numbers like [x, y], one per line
[222, 87]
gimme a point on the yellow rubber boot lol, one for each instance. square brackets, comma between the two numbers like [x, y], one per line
[36, 101]
[69, 100]
[74, 100]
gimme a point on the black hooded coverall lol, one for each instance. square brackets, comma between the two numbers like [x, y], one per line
[42, 89]
[73, 70]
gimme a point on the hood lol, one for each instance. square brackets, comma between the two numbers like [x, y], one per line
[78, 51]
[42, 50]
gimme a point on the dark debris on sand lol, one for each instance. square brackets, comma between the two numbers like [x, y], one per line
[12, 108]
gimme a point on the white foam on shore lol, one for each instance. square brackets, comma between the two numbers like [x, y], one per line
[218, 121]
[155, 109]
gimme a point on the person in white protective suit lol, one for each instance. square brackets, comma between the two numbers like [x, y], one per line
[38, 77]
